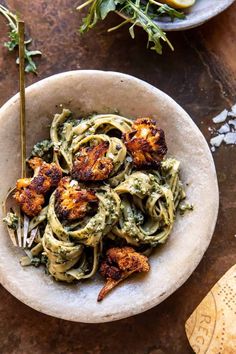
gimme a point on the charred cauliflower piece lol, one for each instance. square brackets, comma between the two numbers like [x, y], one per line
[146, 143]
[91, 163]
[47, 177]
[72, 202]
[31, 191]
[35, 163]
[23, 183]
[30, 201]
[118, 265]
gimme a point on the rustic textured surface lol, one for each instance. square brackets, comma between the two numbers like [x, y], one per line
[200, 75]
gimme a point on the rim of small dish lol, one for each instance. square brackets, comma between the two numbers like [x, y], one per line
[188, 23]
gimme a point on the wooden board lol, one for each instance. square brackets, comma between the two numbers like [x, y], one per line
[211, 328]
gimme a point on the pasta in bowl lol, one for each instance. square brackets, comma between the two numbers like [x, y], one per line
[106, 185]
[103, 195]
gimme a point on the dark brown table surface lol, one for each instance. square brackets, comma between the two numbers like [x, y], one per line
[201, 76]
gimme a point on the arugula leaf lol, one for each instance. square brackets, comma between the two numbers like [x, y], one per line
[106, 7]
[92, 17]
[138, 12]
[166, 10]
[31, 66]
[154, 32]
[13, 42]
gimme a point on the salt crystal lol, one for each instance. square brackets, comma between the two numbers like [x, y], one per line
[110, 155]
[224, 129]
[233, 109]
[232, 113]
[233, 122]
[213, 149]
[217, 140]
[129, 159]
[230, 138]
[73, 183]
[221, 117]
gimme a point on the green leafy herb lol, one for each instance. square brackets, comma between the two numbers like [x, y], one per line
[14, 41]
[11, 220]
[183, 208]
[44, 259]
[137, 13]
[106, 7]
[43, 149]
[166, 10]
[33, 261]
[138, 216]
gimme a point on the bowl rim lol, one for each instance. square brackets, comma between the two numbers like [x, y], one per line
[182, 25]
[181, 280]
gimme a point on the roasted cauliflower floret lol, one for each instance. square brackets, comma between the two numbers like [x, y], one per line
[72, 202]
[118, 265]
[47, 176]
[91, 164]
[30, 201]
[146, 143]
[35, 163]
[31, 191]
[23, 183]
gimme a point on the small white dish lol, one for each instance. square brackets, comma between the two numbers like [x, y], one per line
[171, 264]
[201, 12]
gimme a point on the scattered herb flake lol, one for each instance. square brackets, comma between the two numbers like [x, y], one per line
[13, 42]
[183, 208]
[11, 220]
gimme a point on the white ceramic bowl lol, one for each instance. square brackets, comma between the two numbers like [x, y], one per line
[202, 11]
[171, 264]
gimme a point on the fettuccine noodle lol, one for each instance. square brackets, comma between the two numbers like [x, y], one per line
[134, 207]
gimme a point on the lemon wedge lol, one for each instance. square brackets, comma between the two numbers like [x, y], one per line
[179, 4]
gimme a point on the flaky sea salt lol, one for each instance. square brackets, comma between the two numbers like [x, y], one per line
[232, 113]
[227, 131]
[110, 155]
[221, 117]
[129, 159]
[230, 138]
[224, 129]
[73, 183]
[217, 140]
[233, 109]
[211, 130]
[232, 122]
